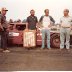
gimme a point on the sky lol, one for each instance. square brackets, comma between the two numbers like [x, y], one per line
[20, 9]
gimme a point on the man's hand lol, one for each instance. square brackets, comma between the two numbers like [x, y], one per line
[26, 29]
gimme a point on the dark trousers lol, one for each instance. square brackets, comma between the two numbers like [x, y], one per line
[4, 39]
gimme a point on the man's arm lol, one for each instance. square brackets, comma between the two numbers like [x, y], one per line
[71, 23]
[52, 20]
[0, 23]
[36, 22]
[0, 20]
[27, 23]
[40, 21]
[60, 22]
[71, 27]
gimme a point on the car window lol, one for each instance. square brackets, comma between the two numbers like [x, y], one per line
[20, 27]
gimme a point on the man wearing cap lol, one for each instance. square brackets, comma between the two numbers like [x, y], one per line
[0, 11]
[66, 23]
[3, 28]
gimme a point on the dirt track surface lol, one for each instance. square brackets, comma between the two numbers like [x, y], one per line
[36, 60]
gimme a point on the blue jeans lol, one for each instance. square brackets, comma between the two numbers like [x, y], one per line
[45, 32]
[65, 33]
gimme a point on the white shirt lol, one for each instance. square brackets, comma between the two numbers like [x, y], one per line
[46, 22]
[66, 21]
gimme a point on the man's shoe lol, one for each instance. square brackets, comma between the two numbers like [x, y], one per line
[6, 51]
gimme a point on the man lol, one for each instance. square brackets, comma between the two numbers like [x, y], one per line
[65, 22]
[3, 27]
[11, 21]
[32, 21]
[0, 12]
[45, 23]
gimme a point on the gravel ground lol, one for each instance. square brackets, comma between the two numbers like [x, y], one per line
[21, 59]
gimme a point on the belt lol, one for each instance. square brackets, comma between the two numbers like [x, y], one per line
[65, 27]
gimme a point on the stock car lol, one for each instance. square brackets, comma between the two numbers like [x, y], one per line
[54, 36]
[16, 35]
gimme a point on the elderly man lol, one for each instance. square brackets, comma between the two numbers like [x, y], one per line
[3, 28]
[65, 23]
[45, 23]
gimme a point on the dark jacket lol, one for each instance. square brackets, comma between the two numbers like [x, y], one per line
[3, 21]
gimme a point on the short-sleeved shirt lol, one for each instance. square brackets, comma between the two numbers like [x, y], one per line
[32, 20]
[66, 21]
[3, 21]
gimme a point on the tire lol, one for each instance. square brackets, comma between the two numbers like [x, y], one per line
[55, 41]
[71, 40]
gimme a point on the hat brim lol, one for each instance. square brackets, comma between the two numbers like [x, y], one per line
[6, 10]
